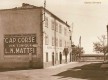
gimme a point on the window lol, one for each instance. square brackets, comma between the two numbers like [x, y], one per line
[46, 39]
[60, 43]
[60, 29]
[46, 56]
[70, 37]
[65, 43]
[56, 56]
[53, 24]
[56, 41]
[56, 27]
[52, 41]
[46, 21]
[65, 31]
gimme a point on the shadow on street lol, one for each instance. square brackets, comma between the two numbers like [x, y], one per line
[89, 71]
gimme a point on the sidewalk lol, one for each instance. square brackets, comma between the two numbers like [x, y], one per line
[60, 65]
[44, 74]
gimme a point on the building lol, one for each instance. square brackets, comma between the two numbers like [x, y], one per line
[92, 57]
[34, 37]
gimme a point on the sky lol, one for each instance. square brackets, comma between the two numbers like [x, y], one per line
[89, 17]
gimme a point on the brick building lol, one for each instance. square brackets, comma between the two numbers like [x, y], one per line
[32, 36]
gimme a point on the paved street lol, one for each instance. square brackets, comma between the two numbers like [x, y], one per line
[71, 71]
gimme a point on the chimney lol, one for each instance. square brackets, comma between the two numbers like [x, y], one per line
[25, 5]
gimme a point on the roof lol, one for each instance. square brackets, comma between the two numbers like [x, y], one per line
[57, 17]
[26, 6]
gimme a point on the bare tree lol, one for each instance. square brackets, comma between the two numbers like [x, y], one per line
[100, 46]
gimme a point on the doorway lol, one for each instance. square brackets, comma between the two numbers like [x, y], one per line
[60, 57]
[53, 58]
[30, 60]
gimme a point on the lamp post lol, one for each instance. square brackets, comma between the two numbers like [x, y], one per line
[107, 40]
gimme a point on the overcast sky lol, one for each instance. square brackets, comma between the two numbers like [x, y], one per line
[89, 17]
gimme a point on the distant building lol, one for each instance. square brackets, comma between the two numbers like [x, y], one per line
[92, 57]
[32, 36]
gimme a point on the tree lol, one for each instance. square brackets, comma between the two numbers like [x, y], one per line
[66, 52]
[100, 46]
[77, 51]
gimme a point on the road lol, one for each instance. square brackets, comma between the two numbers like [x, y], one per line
[70, 71]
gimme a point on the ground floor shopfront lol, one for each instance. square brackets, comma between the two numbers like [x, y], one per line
[52, 58]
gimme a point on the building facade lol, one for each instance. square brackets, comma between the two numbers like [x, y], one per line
[33, 37]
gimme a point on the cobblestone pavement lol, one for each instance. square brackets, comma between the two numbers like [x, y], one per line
[61, 72]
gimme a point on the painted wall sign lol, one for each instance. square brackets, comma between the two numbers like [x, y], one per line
[19, 44]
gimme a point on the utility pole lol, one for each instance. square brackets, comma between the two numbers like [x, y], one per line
[71, 38]
[80, 42]
[80, 48]
[107, 40]
[107, 36]
[72, 34]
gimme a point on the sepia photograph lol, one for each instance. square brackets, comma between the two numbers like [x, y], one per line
[53, 40]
